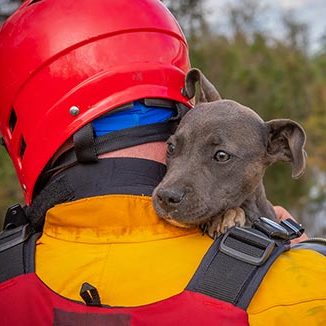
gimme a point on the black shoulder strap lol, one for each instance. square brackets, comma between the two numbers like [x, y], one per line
[17, 248]
[235, 265]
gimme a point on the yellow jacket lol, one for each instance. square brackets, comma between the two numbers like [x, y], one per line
[119, 245]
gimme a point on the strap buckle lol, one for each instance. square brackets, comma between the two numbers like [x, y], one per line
[15, 216]
[271, 228]
[294, 229]
[287, 229]
[13, 237]
[243, 245]
[90, 295]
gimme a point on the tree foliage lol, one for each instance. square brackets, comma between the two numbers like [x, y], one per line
[278, 78]
[190, 14]
[10, 191]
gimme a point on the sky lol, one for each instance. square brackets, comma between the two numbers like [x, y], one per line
[311, 12]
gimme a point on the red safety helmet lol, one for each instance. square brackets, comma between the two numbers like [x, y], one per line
[65, 62]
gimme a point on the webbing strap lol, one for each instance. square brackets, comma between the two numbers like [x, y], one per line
[17, 247]
[235, 265]
[87, 148]
[134, 136]
[84, 153]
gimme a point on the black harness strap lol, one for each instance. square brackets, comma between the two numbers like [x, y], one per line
[17, 248]
[235, 265]
[231, 270]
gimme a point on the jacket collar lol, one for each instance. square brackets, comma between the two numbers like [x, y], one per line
[109, 219]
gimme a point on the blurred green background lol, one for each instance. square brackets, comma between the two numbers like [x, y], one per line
[266, 58]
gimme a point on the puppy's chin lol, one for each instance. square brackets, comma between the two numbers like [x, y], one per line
[179, 222]
[176, 223]
[184, 218]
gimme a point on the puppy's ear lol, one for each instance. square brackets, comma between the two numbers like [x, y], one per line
[286, 140]
[207, 92]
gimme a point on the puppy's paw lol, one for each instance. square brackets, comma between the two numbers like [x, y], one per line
[232, 217]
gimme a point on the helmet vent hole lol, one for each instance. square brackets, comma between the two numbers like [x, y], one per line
[22, 148]
[34, 1]
[12, 120]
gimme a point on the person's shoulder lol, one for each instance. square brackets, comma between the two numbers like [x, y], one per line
[294, 289]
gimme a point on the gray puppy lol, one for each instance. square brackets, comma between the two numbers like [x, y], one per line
[217, 158]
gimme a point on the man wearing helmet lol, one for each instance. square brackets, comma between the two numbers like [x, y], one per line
[90, 90]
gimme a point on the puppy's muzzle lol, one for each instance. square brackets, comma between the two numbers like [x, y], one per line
[169, 198]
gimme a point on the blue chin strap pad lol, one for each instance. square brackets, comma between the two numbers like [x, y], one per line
[136, 115]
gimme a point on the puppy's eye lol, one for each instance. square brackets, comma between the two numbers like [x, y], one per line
[221, 156]
[170, 149]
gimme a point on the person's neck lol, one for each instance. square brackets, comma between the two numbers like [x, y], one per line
[155, 151]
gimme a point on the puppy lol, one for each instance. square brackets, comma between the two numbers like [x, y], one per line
[216, 161]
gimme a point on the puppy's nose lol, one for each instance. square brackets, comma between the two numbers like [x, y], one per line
[170, 197]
